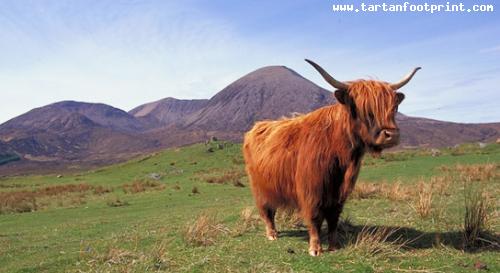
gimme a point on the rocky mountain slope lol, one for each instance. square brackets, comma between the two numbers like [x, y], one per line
[72, 130]
[166, 111]
[267, 93]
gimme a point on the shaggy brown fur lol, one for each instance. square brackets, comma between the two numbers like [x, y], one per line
[311, 162]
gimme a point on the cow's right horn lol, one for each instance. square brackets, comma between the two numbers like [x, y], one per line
[333, 82]
[405, 80]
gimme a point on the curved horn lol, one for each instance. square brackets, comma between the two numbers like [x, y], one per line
[405, 80]
[327, 77]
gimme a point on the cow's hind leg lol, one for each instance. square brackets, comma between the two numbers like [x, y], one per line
[267, 213]
[332, 216]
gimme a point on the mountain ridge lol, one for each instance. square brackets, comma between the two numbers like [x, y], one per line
[80, 132]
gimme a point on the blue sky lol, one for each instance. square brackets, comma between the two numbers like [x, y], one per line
[126, 53]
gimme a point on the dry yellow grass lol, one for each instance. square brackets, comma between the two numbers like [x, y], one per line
[249, 220]
[204, 230]
[227, 177]
[160, 256]
[423, 203]
[441, 184]
[288, 218]
[366, 190]
[392, 191]
[473, 172]
[142, 186]
[372, 241]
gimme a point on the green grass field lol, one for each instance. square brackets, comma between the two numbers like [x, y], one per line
[189, 210]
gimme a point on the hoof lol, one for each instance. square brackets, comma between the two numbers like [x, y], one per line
[315, 252]
[332, 249]
[272, 237]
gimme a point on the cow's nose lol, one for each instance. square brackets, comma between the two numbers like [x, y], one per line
[390, 134]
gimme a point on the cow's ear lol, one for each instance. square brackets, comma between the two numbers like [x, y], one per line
[342, 96]
[399, 98]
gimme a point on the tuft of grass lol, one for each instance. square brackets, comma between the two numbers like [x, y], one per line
[116, 202]
[238, 183]
[139, 186]
[18, 202]
[160, 256]
[249, 220]
[477, 172]
[227, 177]
[395, 156]
[423, 203]
[394, 191]
[366, 191]
[238, 160]
[28, 201]
[78, 200]
[100, 190]
[119, 256]
[204, 230]
[473, 172]
[475, 215]
[371, 241]
[289, 218]
[62, 189]
[441, 184]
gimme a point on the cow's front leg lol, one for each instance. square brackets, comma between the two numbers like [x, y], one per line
[314, 234]
[267, 213]
[332, 216]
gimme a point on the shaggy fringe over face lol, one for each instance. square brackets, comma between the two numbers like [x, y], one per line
[377, 99]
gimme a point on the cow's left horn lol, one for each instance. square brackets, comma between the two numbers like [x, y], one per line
[328, 78]
[405, 80]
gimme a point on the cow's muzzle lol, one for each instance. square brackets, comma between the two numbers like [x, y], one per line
[388, 137]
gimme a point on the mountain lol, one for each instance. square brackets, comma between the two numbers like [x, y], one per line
[267, 93]
[92, 134]
[166, 111]
[69, 131]
[434, 133]
[66, 112]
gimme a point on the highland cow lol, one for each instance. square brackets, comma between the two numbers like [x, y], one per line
[311, 162]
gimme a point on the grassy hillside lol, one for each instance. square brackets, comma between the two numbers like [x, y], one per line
[190, 210]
